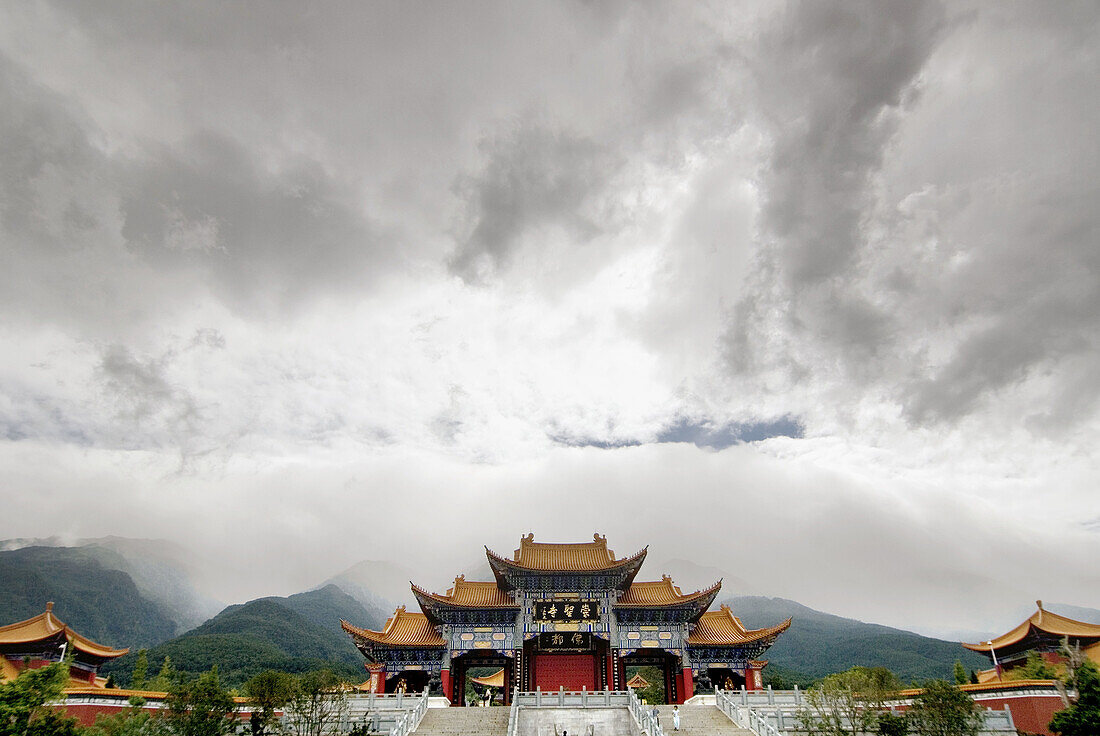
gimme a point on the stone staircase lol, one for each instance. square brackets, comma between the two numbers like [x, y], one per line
[695, 720]
[700, 720]
[465, 722]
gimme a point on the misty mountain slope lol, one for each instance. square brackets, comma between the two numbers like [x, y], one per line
[820, 643]
[271, 621]
[378, 586]
[325, 607]
[162, 571]
[101, 603]
[295, 634]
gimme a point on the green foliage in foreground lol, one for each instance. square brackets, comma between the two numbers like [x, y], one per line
[942, 709]
[201, 706]
[854, 702]
[1083, 718]
[269, 691]
[134, 721]
[23, 710]
[1036, 668]
[849, 702]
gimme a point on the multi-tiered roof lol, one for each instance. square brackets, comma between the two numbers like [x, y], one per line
[542, 558]
[402, 629]
[44, 637]
[496, 598]
[722, 628]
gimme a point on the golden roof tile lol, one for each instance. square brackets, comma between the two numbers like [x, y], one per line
[46, 625]
[471, 594]
[987, 687]
[662, 593]
[402, 629]
[721, 628]
[573, 557]
[1044, 621]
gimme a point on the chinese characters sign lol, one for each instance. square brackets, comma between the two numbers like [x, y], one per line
[559, 640]
[567, 612]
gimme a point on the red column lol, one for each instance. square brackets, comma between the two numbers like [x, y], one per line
[377, 677]
[753, 680]
[609, 667]
[445, 679]
[688, 688]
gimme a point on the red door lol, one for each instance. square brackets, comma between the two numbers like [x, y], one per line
[571, 671]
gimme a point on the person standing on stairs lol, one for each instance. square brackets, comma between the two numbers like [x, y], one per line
[675, 718]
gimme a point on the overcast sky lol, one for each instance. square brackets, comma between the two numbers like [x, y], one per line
[809, 293]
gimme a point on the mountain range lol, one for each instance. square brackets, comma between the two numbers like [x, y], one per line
[140, 594]
[161, 571]
[819, 643]
[297, 633]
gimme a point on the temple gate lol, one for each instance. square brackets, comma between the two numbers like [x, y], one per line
[564, 616]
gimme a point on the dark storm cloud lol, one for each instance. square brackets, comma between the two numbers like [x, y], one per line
[92, 235]
[830, 77]
[260, 236]
[41, 132]
[980, 276]
[533, 177]
[140, 390]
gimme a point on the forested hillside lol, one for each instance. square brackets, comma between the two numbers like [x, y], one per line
[100, 603]
[819, 643]
[294, 634]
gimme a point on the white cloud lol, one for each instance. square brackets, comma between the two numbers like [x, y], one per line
[279, 278]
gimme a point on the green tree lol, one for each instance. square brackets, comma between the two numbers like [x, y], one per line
[53, 723]
[134, 721]
[848, 702]
[166, 679]
[961, 677]
[23, 703]
[891, 724]
[942, 709]
[201, 707]
[268, 692]
[141, 670]
[1083, 717]
[319, 703]
[1036, 668]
